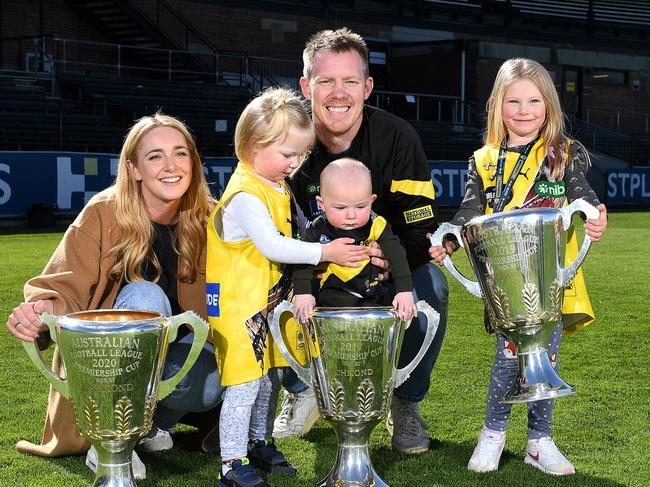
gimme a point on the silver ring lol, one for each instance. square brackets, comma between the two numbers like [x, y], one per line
[16, 323]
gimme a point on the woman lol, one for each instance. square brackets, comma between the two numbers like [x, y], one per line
[139, 244]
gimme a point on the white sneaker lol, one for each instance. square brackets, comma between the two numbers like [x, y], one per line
[299, 413]
[488, 451]
[156, 440]
[138, 468]
[544, 455]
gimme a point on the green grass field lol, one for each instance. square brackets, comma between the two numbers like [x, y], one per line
[604, 429]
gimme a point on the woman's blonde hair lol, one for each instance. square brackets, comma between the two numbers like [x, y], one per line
[268, 119]
[136, 229]
[556, 146]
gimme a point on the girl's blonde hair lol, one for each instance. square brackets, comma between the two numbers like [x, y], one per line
[556, 147]
[268, 119]
[135, 227]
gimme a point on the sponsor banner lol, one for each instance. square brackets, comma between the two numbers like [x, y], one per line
[449, 178]
[631, 186]
[67, 180]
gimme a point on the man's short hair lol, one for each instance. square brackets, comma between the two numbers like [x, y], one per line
[336, 41]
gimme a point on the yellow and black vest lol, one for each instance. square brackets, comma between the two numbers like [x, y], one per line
[239, 279]
[576, 310]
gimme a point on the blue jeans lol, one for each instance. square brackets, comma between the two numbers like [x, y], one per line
[200, 390]
[430, 285]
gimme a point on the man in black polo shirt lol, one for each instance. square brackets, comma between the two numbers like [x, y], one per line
[336, 80]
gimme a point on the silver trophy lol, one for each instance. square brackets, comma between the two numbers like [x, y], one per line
[113, 362]
[353, 354]
[517, 257]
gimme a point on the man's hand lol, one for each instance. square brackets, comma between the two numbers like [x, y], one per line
[378, 258]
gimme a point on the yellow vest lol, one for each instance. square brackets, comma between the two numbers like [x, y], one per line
[576, 309]
[238, 280]
[345, 273]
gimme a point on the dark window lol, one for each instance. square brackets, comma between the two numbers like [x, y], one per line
[607, 77]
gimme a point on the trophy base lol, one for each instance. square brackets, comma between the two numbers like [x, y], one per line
[113, 480]
[352, 469]
[537, 380]
[114, 468]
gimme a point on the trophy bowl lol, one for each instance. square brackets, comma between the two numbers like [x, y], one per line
[517, 258]
[113, 362]
[353, 355]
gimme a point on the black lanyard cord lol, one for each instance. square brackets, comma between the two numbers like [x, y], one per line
[500, 192]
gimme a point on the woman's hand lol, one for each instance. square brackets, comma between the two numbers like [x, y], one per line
[25, 323]
[405, 306]
[596, 227]
[342, 251]
[305, 304]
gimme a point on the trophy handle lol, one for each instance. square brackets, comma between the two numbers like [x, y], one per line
[61, 385]
[433, 318]
[200, 329]
[436, 240]
[591, 212]
[274, 325]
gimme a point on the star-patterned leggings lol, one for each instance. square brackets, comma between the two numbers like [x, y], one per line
[502, 377]
[247, 412]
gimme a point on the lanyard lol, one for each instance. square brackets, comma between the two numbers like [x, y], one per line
[500, 192]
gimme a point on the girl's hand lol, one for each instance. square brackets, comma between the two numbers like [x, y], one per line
[405, 307]
[596, 227]
[305, 304]
[24, 321]
[439, 252]
[342, 251]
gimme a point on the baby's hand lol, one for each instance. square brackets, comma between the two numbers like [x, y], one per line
[405, 307]
[305, 304]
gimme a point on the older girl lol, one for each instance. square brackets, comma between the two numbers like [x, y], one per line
[526, 144]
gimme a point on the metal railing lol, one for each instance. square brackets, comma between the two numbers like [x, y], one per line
[428, 107]
[106, 59]
[601, 139]
[101, 58]
[618, 119]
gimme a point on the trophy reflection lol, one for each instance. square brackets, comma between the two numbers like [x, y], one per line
[113, 362]
[353, 355]
[517, 257]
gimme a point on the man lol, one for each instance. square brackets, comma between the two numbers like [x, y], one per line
[336, 80]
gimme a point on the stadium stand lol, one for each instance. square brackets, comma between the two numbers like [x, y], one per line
[154, 55]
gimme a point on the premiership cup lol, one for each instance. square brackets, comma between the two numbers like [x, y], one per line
[353, 355]
[517, 258]
[113, 362]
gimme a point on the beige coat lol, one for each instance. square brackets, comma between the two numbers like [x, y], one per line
[76, 278]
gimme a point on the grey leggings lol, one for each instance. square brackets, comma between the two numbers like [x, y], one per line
[247, 413]
[502, 377]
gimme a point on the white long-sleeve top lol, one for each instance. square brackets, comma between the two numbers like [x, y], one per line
[246, 216]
